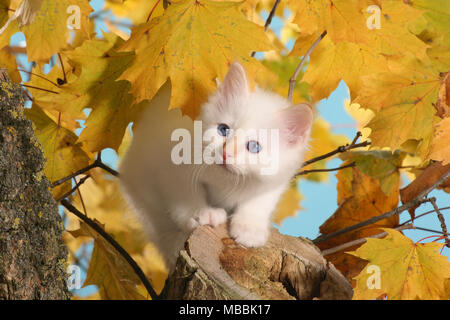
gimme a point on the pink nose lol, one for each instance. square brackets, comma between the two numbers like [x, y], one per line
[229, 151]
[224, 154]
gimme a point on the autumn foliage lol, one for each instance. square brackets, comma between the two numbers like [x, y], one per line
[393, 56]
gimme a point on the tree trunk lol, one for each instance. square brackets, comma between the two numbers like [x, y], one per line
[213, 266]
[32, 255]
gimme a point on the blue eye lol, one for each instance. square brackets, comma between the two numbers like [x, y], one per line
[253, 146]
[223, 129]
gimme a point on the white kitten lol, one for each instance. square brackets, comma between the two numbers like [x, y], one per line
[171, 200]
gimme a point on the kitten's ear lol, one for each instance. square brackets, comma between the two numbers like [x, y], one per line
[235, 85]
[296, 123]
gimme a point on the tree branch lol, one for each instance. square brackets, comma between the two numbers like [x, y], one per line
[340, 149]
[429, 230]
[37, 88]
[269, 19]
[68, 193]
[362, 240]
[419, 199]
[442, 221]
[324, 170]
[64, 80]
[293, 79]
[116, 246]
[97, 164]
[424, 214]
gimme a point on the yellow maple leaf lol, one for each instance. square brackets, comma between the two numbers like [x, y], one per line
[436, 13]
[103, 202]
[289, 204]
[362, 117]
[8, 61]
[394, 37]
[192, 43]
[152, 264]
[136, 10]
[349, 59]
[440, 146]
[107, 122]
[90, 84]
[403, 99]
[64, 155]
[53, 19]
[115, 278]
[343, 19]
[7, 9]
[406, 270]
[360, 197]
[330, 63]
[52, 97]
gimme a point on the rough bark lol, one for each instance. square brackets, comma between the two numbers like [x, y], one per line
[213, 266]
[32, 254]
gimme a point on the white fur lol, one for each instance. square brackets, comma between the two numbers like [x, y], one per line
[171, 200]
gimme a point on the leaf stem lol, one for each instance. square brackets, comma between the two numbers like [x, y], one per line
[340, 149]
[153, 9]
[418, 200]
[293, 79]
[37, 75]
[62, 67]
[116, 246]
[269, 19]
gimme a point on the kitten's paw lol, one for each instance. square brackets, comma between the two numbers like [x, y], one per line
[192, 224]
[248, 233]
[212, 216]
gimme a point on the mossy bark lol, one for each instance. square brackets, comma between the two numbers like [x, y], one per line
[32, 254]
[213, 266]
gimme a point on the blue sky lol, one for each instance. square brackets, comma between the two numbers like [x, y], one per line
[319, 198]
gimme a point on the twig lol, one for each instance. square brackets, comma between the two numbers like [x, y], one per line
[68, 193]
[97, 164]
[424, 214]
[355, 139]
[62, 67]
[419, 199]
[442, 221]
[293, 79]
[37, 75]
[166, 3]
[98, 14]
[412, 203]
[325, 170]
[28, 95]
[153, 9]
[37, 88]
[269, 19]
[116, 246]
[429, 230]
[340, 149]
[81, 197]
[362, 240]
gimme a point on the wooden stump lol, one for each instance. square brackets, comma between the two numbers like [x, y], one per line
[33, 256]
[213, 266]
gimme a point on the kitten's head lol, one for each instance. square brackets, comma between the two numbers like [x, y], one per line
[254, 133]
